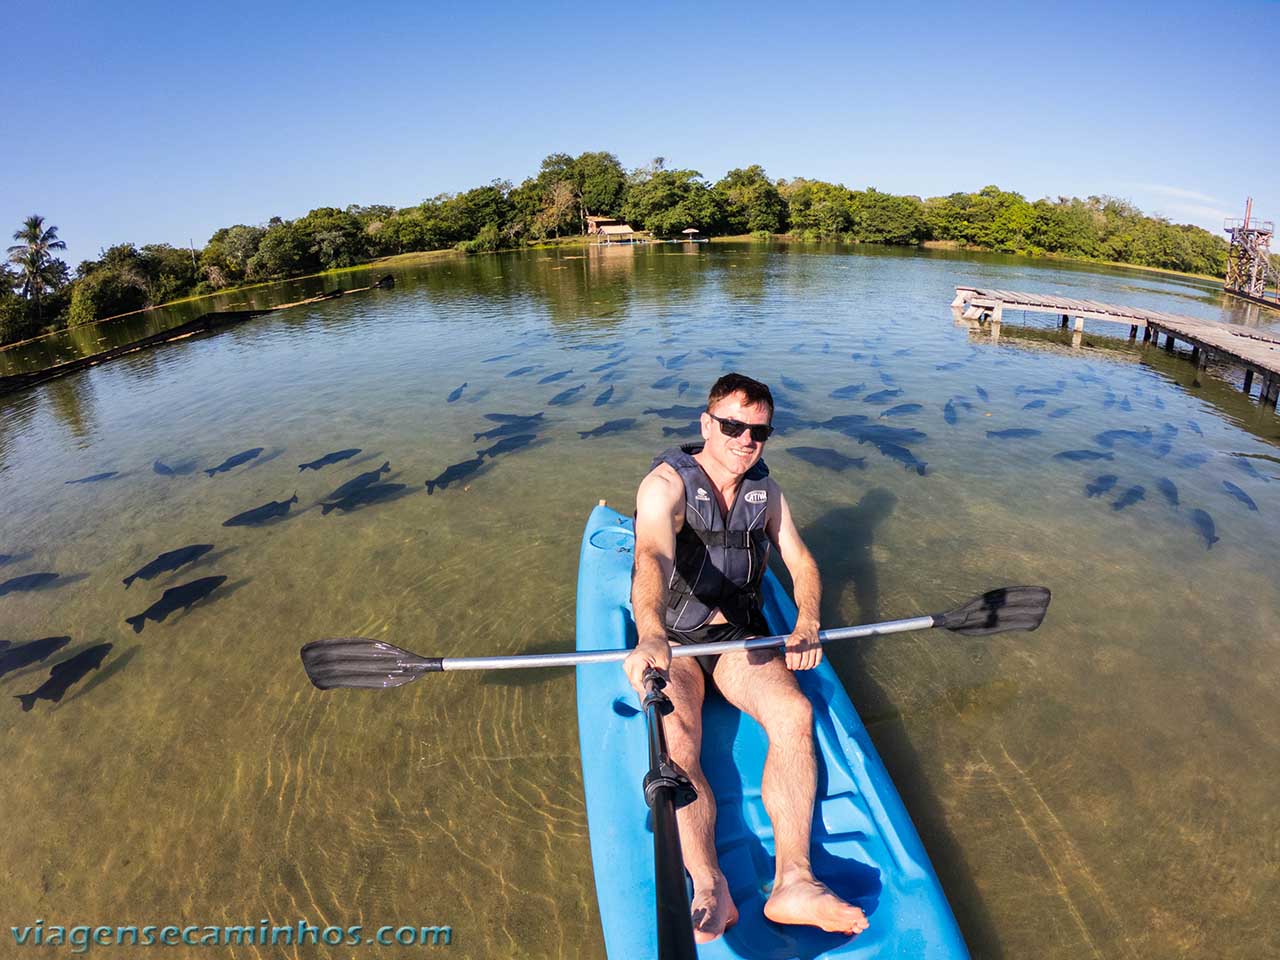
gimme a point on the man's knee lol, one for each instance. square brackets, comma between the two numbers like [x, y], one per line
[789, 714]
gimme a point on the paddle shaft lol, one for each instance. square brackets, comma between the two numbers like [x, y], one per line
[578, 657]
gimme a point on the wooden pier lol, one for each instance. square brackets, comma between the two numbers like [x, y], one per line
[1256, 352]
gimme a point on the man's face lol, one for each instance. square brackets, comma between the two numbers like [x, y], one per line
[737, 454]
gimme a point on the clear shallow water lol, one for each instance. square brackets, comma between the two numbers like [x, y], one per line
[1101, 787]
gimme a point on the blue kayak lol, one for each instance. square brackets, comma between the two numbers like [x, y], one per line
[865, 847]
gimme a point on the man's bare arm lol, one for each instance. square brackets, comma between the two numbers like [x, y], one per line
[803, 649]
[658, 502]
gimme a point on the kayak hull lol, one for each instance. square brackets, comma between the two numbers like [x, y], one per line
[864, 845]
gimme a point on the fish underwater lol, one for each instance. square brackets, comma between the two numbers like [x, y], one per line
[336, 457]
[28, 581]
[604, 398]
[566, 397]
[903, 456]
[845, 393]
[795, 385]
[675, 362]
[881, 396]
[1246, 465]
[607, 365]
[166, 562]
[235, 460]
[1062, 412]
[1082, 455]
[65, 675]
[828, 458]
[263, 514]
[1129, 498]
[1109, 438]
[1034, 405]
[1100, 485]
[15, 657]
[691, 429]
[509, 427]
[666, 382]
[1239, 494]
[519, 371]
[453, 473]
[1169, 490]
[181, 597]
[1204, 526]
[360, 481]
[501, 356]
[455, 393]
[362, 497]
[610, 426]
[949, 412]
[553, 377]
[507, 444]
[675, 413]
[96, 477]
[982, 394]
[902, 409]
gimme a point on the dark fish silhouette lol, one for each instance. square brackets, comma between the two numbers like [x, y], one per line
[1108, 400]
[1017, 433]
[1129, 498]
[5, 558]
[949, 412]
[667, 381]
[501, 356]
[1090, 378]
[905, 351]
[606, 365]
[691, 429]
[903, 409]
[852, 390]
[455, 393]
[613, 376]
[263, 514]
[168, 561]
[1193, 426]
[511, 428]
[336, 457]
[65, 675]
[826, 346]
[982, 394]
[566, 397]
[360, 481]
[855, 356]
[513, 417]
[1169, 490]
[676, 412]
[1053, 391]
[182, 597]
[24, 654]
[881, 396]
[1100, 485]
[1168, 431]
[887, 379]
[1034, 405]
[1125, 404]
[953, 365]
[234, 461]
[674, 362]
[1161, 450]
[1204, 526]
[795, 385]
[828, 458]
[453, 473]
[604, 398]
[96, 477]
[1227, 485]
[903, 456]
[682, 387]
[362, 497]
[553, 377]
[28, 581]
[1159, 404]
[1062, 412]
[507, 444]
[784, 421]
[1193, 459]
[1081, 455]
[1109, 438]
[1246, 465]
[610, 426]
[163, 469]
[519, 371]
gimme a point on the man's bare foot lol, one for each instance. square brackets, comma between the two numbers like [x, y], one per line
[807, 902]
[712, 910]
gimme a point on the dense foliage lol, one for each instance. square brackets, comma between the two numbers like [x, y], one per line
[556, 203]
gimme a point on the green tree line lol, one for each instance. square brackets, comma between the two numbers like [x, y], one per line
[38, 291]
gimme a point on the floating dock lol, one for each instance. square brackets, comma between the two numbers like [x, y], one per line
[1256, 352]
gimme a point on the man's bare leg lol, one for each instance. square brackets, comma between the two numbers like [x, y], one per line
[712, 907]
[759, 684]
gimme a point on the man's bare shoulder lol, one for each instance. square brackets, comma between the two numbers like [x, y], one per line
[660, 490]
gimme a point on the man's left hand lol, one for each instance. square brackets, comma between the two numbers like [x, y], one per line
[803, 651]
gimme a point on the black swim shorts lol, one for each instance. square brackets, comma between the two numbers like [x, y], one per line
[716, 632]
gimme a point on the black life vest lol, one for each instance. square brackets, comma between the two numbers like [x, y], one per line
[719, 562]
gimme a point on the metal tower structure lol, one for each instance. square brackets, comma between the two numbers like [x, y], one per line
[1249, 258]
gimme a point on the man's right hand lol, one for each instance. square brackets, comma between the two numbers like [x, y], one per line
[654, 652]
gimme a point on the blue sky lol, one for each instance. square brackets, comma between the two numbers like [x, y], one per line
[160, 122]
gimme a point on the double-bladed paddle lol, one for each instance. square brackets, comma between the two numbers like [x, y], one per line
[360, 662]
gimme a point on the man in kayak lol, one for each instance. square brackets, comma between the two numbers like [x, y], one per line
[706, 517]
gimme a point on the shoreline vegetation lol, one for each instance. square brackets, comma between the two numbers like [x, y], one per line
[40, 294]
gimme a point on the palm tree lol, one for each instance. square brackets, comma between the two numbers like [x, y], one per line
[39, 270]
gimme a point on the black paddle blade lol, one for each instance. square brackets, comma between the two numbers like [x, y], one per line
[1009, 608]
[357, 662]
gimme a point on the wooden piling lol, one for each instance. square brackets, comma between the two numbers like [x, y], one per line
[1248, 382]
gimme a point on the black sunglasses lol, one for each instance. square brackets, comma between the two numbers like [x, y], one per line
[760, 432]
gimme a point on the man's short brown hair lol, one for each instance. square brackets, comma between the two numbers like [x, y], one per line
[731, 383]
